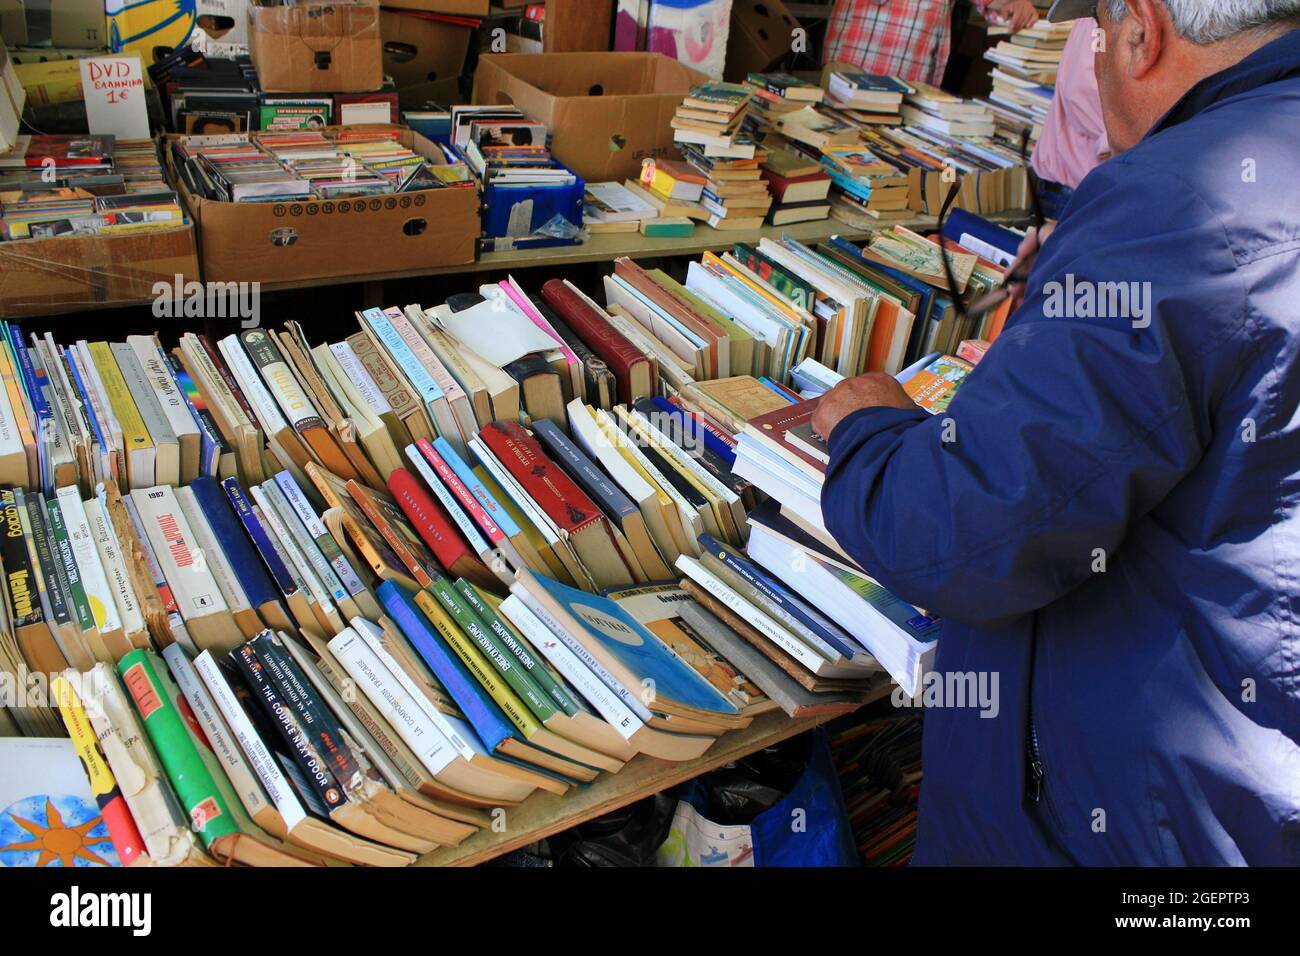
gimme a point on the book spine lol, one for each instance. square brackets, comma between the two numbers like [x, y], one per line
[86, 555]
[558, 630]
[20, 580]
[279, 713]
[228, 533]
[280, 381]
[458, 489]
[62, 547]
[206, 808]
[747, 612]
[593, 480]
[261, 539]
[479, 668]
[293, 494]
[545, 683]
[285, 520]
[45, 563]
[142, 393]
[165, 594]
[103, 786]
[400, 397]
[395, 705]
[212, 442]
[495, 512]
[134, 433]
[250, 742]
[360, 378]
[193, 586]
[566, 663]
[391, 535]
[119, 580]
[315, 718]
[405, 359]
[555, 492]
[448, 500]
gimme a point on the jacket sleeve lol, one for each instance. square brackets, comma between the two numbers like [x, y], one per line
[1068, 432]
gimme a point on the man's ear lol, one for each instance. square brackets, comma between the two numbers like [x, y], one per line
[1145, 32]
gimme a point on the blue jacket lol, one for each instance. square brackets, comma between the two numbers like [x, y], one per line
[1114, 528]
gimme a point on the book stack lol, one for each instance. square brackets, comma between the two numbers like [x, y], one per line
[613, 207]
[1024, 78]
[867, 190]
[774, 94]
[734, 194]
[867, 98]
[800, 188]
[710, 117]
[930, 108]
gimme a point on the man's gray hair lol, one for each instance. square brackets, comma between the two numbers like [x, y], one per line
[1208, 21]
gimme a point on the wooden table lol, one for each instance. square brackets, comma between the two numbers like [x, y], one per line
[545, 814]
[609, 246]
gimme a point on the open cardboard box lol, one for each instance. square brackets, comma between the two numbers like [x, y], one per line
[71, 273]
[315, 238]
[606, 111]
[316, 47]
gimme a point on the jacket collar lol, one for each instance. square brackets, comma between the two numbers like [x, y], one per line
[1274, 61]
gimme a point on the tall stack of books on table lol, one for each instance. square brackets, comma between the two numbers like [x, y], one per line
[800, 188]
[933, 109]
[866, 98]
[774, 94]
[707, 128]
[1024, 78]
[866, 190]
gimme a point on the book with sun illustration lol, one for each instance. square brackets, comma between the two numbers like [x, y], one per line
[48, 816]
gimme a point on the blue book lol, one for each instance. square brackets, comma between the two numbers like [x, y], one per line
[233, 539]
[212, 444]
[780, 596]
[243, 507]
[476, 487]
[961, 223]
[484, 714]
[634, 655]
[696, 431]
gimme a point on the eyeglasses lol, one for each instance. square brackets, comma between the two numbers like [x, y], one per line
[1019, 271]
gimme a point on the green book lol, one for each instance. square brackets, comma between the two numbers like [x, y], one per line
[62, 546]
[516, 678]
[525, 664]
[156, 698]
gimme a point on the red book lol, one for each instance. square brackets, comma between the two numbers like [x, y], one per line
[437, 530]
[582, 525]
[773, 428]
[634, 371]
[792, 189]
[478, 514]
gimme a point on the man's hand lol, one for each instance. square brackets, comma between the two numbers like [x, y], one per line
[873, 390]
[1016, 14]
[1026, 253]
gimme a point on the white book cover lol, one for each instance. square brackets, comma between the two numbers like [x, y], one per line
[193, 586]
[458, 735]
[119, 578]
[398, 708]
[208, 551]
[250, 383]
[98, 592]
[255, 750]
[360, 378]
[166, 391]
[566, 663]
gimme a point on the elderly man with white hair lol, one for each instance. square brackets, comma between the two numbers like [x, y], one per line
[1106, 516]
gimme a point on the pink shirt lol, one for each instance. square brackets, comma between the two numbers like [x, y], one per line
[1074, 136]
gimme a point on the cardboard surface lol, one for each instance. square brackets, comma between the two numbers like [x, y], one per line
[314, 238]
[316, 48]
[460, 8]
[761, 33]
[78, 23]
[607, 111]
[70, 273]
[418, 51]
